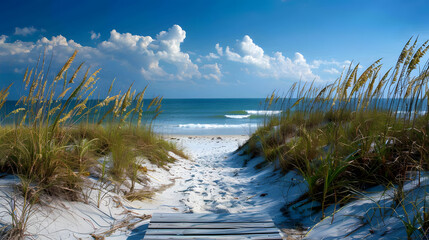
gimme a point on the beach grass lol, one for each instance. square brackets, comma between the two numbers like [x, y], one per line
[367, 128]
[59, 131]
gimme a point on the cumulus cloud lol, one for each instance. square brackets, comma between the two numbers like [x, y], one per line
[212, 71]
[276, 66]
[219, 49]
[153, 55]
[158, 58]
[20, 54]
[16, 48]
[25, 31]
[94, 35]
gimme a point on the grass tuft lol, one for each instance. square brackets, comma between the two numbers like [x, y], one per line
[362, 130]
[56, 134]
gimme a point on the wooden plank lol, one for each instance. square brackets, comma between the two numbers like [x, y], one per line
[238, 231]
[220, 237]
[210, 225]
[202, 217]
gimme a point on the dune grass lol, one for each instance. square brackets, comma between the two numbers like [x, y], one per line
[362, 130]
[57, 136]
[57, 133]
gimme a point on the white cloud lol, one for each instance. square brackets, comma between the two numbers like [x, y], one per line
[2, 39]
[94, 35]
[153, 55]
[58, 41]
[318, 63]
[332, 71]
[276, 66]
[20, 55]
[16, 48]
[219, 49]
[330, 66]
[253, 54]
[154, 71]
[18, 70]
[232, 55]
[213, 71]
[212, 56]
[25, 31]
[158, 58]
[126, 41]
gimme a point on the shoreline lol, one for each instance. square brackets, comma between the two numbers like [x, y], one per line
[217, 136]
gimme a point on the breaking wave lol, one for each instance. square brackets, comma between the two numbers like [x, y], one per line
[214, 126]
[237, 116]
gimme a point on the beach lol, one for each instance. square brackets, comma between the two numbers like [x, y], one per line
[212, 180]
[216, 179]
[188, 120]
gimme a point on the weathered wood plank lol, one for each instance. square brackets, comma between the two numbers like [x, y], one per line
[214, 225]
[220, 237]
[237, 231]
[211, 226]
[202, 217]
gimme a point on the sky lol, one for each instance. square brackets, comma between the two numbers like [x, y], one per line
[207, 49]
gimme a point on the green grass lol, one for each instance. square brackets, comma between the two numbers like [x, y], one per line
[59, 139]
[59, 134]
[346, 136]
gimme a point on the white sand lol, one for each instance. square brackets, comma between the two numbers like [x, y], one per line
[212, 180]
[217, 180]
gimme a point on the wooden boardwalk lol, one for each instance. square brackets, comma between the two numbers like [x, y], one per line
[211, 226]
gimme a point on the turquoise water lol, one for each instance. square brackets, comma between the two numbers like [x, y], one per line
[180, 116]
[210, 116]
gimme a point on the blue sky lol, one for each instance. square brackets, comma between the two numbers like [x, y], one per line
[206, 49]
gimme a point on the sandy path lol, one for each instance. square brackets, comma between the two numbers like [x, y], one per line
[212, 183]
[215, 180]
[204, 183]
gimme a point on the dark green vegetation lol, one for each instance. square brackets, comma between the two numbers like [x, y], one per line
[360, 131]
[59, 139]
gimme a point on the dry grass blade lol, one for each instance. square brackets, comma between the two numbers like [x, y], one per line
[75, 73]
[65, 67]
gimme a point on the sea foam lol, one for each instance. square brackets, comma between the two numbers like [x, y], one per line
[214, 126]
[263, 112]
[237, 116]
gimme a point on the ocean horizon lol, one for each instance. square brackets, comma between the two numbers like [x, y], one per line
[215, 116]
[205, 116]
[210, 116]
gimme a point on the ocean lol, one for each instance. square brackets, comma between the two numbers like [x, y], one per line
[181, 116]
[211, 116]
[242, 116]
[235, 116]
